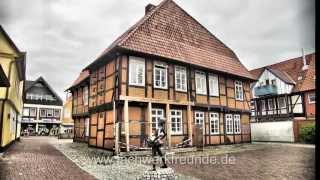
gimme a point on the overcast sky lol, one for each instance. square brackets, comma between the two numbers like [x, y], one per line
[61, 37]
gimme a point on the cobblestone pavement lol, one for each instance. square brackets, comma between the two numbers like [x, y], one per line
[102, 165]
[255, 161]
[35, 158]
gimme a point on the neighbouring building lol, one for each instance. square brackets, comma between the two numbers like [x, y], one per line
[283, 99]
[42, 109]
[12, 62]
[80, 106]
[167, 66]
[67, 124]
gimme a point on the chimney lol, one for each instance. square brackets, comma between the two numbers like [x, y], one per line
[148, 8]
[305, 66]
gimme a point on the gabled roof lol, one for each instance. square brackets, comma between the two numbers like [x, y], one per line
[82, 77]
[4, 82]
[21, 63]
[2, 31]
[168, 31]
[290, 70]
[30, 84]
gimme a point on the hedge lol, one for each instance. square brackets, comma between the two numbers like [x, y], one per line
[308, 133]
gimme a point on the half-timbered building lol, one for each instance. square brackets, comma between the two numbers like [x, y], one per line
[80, 106]
[168, 66]
[283, 94]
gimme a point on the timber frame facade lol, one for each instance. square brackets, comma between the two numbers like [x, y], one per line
[80, 107]
[131, 89]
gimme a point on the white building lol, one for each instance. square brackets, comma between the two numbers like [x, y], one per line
[42, 110]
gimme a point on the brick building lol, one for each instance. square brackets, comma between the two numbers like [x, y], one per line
[167, 66]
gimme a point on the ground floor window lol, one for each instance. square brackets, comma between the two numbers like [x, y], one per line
[157, 115]
[229, 124]
[176, 120]
[236, 119]
[214, 123]
[86, 122]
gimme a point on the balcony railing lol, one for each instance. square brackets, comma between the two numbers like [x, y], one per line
[265, 90]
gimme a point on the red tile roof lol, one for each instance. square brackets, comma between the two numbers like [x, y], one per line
[168, 31]
[290, 70]
[82, 76]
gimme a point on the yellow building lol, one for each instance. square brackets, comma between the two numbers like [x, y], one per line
[67, 121]
[12, 61]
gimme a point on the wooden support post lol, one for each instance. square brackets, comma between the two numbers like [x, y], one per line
[168, 120]
[189, 119]
[126, 124]
[116, 139]
[149, 118]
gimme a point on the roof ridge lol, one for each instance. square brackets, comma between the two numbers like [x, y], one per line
[284, 61]
[142, 21]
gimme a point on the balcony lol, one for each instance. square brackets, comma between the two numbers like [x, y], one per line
[265, 90]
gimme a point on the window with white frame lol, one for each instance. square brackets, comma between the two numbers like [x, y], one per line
[87, 124]
[213, 85]
[181, 78]
[136, 71]
[176, 121]
[50, 113]
[26, 111]
[33, 112]
[282, 102]
[263, 105]
[157, 114]
[57, 113]
[238, 90]
[229, 124]
[214, 123]
[43, 112]
[160, 75]
[199, 117]
[237, 124]
[270, 104]
[85, 96]
[201, 85]
[312, 98]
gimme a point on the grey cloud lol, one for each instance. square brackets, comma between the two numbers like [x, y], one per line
[62, 37]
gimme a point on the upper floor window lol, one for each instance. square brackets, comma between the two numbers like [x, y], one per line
[57, 113]
[181, 78]
[160, 76]
[43, 112]
[25, 111]
[201, 85]
[238, 90]
[136, 71]
[214, 123]
[49, 112]
[199, 117]
[229, 124]
[213, 85]
[312, 98]
[282, 102]
[237, 123]
[85, 96]
[176, 121]
[270, 104]
[273, 82]
[263, 105]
